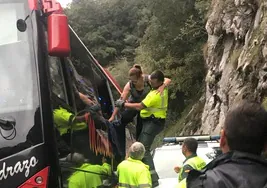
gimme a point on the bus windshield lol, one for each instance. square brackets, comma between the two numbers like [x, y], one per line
[19, 93]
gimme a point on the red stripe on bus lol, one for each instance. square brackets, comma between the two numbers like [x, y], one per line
[39, 180]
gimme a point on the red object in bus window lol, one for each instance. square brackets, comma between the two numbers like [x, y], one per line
[58, 35]
[32, 4]
[39, 180]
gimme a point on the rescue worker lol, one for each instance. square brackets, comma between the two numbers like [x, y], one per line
[63, 119]
[132, 172]
[243, 139]
[153, 114]
[192, 161]
[134, 91]
[87, 175]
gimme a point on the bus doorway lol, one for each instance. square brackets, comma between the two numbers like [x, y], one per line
[81, 124]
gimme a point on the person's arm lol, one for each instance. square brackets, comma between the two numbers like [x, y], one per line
[124, 96]
[106, 168]
[177, 169]
[165, 84]
[146, 103]
[186, 170]
[136, 106]
[81, 118]
[85, 99]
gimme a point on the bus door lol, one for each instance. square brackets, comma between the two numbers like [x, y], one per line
[72, 126]
[27, 150]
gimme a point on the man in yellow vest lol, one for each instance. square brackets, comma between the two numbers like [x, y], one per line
[87, 175]
[132, 172]
[63, 119]
[153, 111]
[192, 161]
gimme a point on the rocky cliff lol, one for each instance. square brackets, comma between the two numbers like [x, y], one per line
[236, 59]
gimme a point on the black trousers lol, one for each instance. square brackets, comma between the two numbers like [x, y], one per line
[127, 116]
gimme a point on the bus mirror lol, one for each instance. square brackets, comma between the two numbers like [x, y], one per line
[58, 35]
[21, 25]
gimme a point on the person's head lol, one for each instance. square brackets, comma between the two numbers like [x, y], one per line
[189, 147]
[137, 151]
[156, 79]
[245, 129]
[135, 75]
[76, 158]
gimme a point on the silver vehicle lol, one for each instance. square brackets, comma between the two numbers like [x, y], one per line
[170, 155]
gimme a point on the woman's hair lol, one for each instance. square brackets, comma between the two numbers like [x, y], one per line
[138, 67]
[136, 70]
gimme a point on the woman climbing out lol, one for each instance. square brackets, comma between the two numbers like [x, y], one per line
[134, 91]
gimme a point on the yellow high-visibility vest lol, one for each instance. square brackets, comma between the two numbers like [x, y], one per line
[156, 104]
[134, 173]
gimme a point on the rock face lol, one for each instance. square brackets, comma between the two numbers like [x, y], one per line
[236, 59]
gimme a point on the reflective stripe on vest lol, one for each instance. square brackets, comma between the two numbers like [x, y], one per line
[134, 186]
[195, 162]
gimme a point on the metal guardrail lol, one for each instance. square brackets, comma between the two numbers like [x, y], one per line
[198, 138]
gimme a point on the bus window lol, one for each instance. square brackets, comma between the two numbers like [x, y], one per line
[80, 131]
[19, 93]
[61, 110]
[57, 79]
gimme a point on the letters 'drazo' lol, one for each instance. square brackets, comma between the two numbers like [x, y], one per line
[19, 167]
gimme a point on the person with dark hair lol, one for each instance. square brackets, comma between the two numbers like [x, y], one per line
[243, 139]
[134, 91]
[192, 161]
[87, 174]
[153, 111]
[157, 75]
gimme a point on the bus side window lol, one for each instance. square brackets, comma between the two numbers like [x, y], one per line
[61, 109]
[57, 78]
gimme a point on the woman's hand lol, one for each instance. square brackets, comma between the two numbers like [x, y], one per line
[161, 89]
[111, 119]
